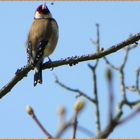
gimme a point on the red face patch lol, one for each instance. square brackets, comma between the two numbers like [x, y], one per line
[42, 9]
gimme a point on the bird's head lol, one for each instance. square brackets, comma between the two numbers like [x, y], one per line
[42, 11]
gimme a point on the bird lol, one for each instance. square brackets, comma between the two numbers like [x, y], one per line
[42, 40]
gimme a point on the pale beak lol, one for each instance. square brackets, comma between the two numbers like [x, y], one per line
[44, 6]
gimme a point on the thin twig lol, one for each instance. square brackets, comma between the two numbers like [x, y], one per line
[31, 113]
[110, 64]
[75, 123]
[122, 84]
[137, 79]
[122, 75]
[128, 48]
[86, 131]
[70, 124]
[132, 103]
[63, 128]
[80, 93]
[130, 116]
[41, 127]
[98, 38]
[121, 71]
[133, 89]
[125, 58]
[111, 126]
[95, 91]
[111, 94]
[116, 121]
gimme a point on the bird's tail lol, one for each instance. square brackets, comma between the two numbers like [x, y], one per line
[38, 75]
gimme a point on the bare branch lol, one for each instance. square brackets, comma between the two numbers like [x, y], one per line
[18, 76]
[122, 75]
[125, 58]
[110, 64]
[68, 61]
[122, 84]
[116, 121]
[111, 94]
[132, 103]
[98, 37]
[137, 79]
[135, 88]
[30, 111]
[41, 127]
[121, 70]
[70, 124]
[127, 48]
[86, 131]
[80, 93]
[77, 59]
[95, 92]
[75, 123]
[130, 116]
[111, 126]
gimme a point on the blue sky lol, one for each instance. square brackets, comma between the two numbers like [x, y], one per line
[76, 22]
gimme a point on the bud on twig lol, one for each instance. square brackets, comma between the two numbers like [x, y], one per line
[62, 111]
[79, 105]
[29, 110]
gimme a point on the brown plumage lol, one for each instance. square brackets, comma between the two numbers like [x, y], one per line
[41, 42]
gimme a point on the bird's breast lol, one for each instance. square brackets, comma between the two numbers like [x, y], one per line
[44, 30]
[50, 47]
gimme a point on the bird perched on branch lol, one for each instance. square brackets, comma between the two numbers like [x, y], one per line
[42, 40]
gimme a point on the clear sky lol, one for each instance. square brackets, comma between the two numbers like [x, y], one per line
[76, 22]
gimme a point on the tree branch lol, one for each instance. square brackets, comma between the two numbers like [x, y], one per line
[30, 112]
[18, 76]
[111, 126]
[95, 89]
[68, 61]
[76, 59]
[75, 123]
[79, 92]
